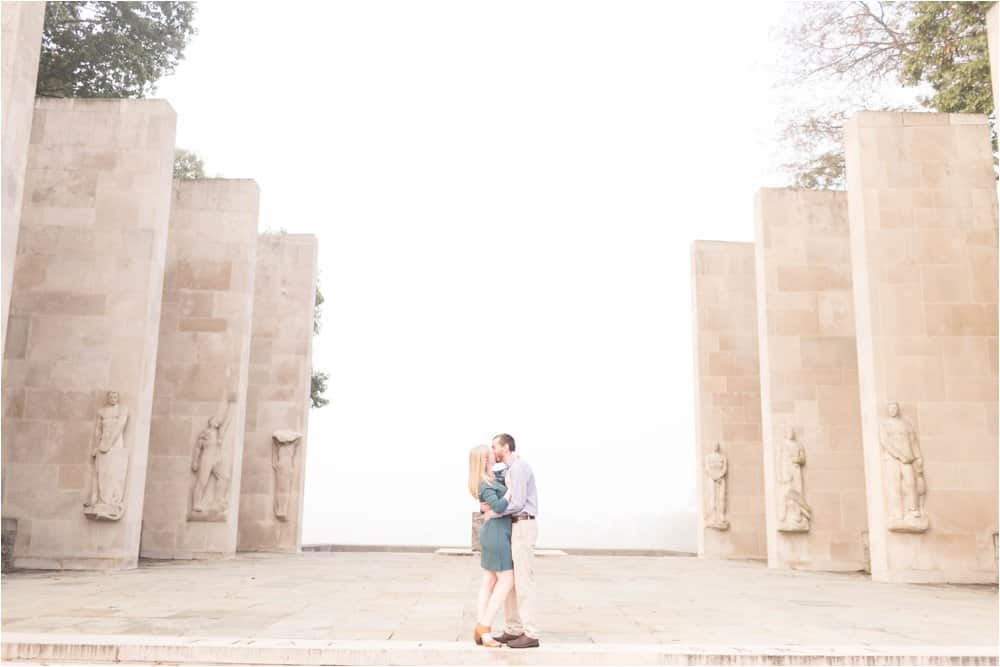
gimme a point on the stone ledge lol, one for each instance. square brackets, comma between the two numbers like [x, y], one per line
[570, 551]
[369, 548]
[235, 650]
[543, 553]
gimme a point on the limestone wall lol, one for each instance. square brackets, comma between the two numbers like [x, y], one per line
[923, 219]
[84, 317]
[21, 41]
[727, 395]
[809, 382]
[278, 393]
[201, 371]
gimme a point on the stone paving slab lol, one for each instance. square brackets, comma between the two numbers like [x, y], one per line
[234, 650]
[600, 601]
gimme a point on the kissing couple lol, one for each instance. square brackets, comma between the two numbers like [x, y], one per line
[504, 485]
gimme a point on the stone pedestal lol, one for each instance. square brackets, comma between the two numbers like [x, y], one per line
[923, 218]
[21, 41]
[727, 401]
[477, 526]
[82, 336]
[196, 440]
[814, 475]
[278, 394]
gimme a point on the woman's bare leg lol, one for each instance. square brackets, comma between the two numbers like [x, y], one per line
[485, 591]
[503, 586]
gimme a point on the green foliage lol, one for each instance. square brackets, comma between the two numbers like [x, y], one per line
[949, 51]
[318, 389]
[187, 165]
[825, 171]
[318, 311]
[319, 379]
[817, 139]
[111, 49]
[863, 45]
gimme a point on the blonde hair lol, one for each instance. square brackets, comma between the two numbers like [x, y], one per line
[479, 460]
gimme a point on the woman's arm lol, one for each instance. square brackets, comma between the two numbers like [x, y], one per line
[491, 496]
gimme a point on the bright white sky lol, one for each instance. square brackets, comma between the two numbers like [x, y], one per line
[504, 195]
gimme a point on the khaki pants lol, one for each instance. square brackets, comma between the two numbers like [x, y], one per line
[519, 607]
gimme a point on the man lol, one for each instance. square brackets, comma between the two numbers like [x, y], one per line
[794, 512]
[208, 461]
[908, 489]
[110, 462]
[520, 630]
[717, 467]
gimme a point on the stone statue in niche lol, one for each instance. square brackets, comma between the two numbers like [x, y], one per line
[904, 467]
[717, 468]
[108, 463]
[794, 514]
[211, 464]
[283, 461]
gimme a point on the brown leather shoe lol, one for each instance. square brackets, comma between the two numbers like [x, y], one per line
[477, 634]
[506, 637]
[524, 641]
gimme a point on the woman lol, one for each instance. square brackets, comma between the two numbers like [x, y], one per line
[494, 537]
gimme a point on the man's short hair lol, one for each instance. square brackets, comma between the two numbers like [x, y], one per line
[506, 439]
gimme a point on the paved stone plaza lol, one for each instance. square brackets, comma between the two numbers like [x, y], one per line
[426, 597]
[158, 381]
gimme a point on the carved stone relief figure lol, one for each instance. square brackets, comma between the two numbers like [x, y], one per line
[906, 488]
[794, 513]
[717, 469]
[283, 461]
[211, 463]
[108, 463]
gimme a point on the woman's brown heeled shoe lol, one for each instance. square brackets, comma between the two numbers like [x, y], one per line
[477, 634]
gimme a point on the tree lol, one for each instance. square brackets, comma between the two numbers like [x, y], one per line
[318, 311]
[319, 378]
[818, 139]
[949, 50]
[187, 165]
[318, 389]
[111, 49]
[860, 42]
[864, 48]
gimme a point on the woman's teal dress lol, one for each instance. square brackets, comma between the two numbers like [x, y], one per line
[494, 537]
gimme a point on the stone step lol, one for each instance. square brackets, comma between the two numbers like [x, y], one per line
[49, 648]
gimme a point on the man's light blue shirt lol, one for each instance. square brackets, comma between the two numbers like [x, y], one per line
[523, 494]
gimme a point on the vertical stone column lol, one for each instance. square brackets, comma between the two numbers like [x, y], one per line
[85, 312]
[923, 218]
[727, 401]
[21, 43]
[196, 440]
[813, 464]
[278, 394]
